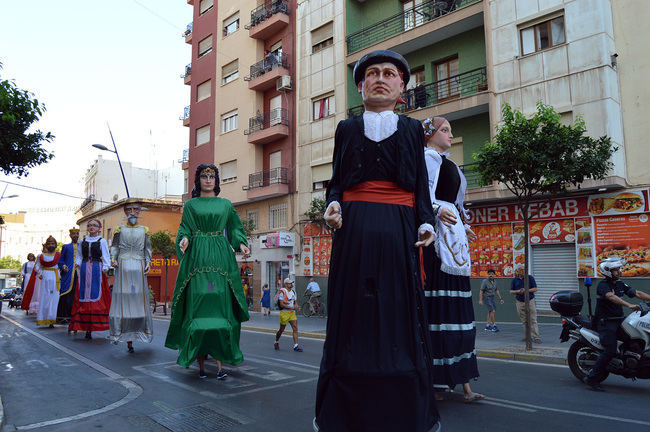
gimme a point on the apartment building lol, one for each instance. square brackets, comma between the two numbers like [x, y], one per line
[467, 57]
[242, 118]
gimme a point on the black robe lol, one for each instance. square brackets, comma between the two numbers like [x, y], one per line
[376, 370]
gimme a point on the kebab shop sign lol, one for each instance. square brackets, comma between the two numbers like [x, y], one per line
[548, 210]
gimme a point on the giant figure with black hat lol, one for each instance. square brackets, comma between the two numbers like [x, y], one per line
[69, 277]
[376, 371]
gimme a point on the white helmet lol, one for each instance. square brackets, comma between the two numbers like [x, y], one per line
[611, 263]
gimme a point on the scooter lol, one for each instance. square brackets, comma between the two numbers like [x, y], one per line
[632, 359]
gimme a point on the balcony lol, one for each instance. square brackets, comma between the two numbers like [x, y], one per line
[268, 127]
[265, 72]
[267, 184]
[268, 19]
[421, 23]
[188, 33]
[187, 76]
[452, 95]
[186, 116]
[87, 205]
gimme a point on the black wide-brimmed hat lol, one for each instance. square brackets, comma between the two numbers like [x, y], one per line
[381, 56]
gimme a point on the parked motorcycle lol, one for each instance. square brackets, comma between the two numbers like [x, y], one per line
[633, 355]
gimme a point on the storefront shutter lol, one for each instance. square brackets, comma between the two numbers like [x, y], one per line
[554, 269]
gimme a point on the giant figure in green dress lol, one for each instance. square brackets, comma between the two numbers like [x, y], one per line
[209, 304]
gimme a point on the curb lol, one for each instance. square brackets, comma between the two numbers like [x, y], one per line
[521, 356]
[485, 353]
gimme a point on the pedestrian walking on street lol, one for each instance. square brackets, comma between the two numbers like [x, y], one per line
[517, 289]
[376, 371]
[288, 307]
[209, 303]
[447, 267]
[266, 300]
[92, 300]
[488, 291]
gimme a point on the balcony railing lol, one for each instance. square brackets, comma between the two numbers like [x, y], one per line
[473, 178]
[267, 64]
[188, 71]
[266, 11]
[401, 22]
[186, 113]
[186, 155]
[89, 199]
[434, 93]
[277, 116]
[188, 30]
[267, 178]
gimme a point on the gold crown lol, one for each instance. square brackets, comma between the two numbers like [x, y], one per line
[74, 230]
[208, 170]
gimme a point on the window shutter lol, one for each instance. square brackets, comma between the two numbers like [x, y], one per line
[203, 91]
[205, 5]
[321, 173]
[322, 33]
[231, 20]
[228, 170]
[203, 135]
[230, 68]
[205, 45]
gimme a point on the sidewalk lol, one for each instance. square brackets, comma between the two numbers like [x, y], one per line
[505, 344]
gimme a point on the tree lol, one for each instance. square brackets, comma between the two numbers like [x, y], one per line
[20, 150]
[162, 243]
[10, 262]
[249, 226]
[538, 157]
[316, 211]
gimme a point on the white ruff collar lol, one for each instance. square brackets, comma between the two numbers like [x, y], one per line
[379, 126]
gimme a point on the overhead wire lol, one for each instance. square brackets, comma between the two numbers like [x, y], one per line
[51, 191]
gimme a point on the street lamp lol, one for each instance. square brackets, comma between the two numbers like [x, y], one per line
[104, 148]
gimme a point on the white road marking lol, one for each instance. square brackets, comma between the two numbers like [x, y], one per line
[519, 405]
[273, 361]
[133, 389]
[489, 401]
[286, 334]
[522, 362]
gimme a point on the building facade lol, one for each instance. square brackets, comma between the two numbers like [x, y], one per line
[104, 184]
[242, 118]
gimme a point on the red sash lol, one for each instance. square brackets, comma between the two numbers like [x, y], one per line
[384, 192]
[379, 191]
[52, 263]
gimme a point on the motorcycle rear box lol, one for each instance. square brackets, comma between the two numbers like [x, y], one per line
[566, 303]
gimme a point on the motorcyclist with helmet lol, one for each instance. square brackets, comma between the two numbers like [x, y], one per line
[609, 315]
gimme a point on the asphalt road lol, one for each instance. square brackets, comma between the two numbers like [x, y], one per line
[52, 381]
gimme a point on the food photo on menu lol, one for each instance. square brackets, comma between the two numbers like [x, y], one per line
[625, 202]
[637, 259]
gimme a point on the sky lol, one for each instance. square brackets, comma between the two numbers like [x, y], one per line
[93, 63]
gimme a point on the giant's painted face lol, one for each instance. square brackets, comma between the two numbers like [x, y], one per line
[382, 84]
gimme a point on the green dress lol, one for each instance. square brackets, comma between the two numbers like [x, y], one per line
[209, 304]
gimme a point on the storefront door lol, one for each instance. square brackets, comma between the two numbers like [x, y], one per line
[554, 269]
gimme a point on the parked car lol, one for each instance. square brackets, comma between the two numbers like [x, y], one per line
[6, 292]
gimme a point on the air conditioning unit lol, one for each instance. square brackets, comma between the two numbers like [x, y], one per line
[283, 83]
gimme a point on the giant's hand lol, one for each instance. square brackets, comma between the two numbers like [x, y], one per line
[447, 216]
[146, 269]
[471, 237]
[183, 244]
[333, 216]
[113, 263]
[425, 238]
[245, 250]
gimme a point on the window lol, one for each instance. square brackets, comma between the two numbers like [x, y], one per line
[205, 6]
[320, 176]
[278, 216]
[320, 185]
[416, 93]
[275, 107]
[228, 171]
[231, 25]
[322, 37]
[205, 46]
[251, 215]
[543, 35]
[230, 72]
[448, 83]
[323, 107]
[203, 90]
[186, 180]
[203, 135]
[413, 13]
[229, 121]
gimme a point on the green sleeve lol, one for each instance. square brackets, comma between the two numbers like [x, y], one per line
[185, 229]
[235, 229]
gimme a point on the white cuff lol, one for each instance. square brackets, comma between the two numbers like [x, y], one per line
[426, 227]
[330, 205]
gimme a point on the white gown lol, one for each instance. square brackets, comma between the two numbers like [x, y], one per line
[48, 292]
[130, 315]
